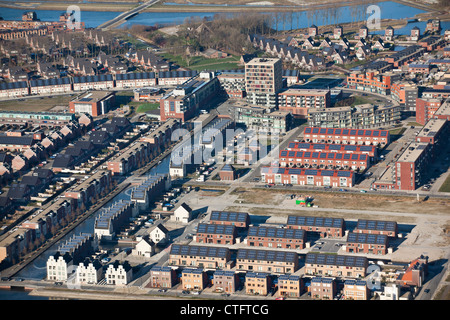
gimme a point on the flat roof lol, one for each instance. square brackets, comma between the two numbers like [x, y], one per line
[413, 152]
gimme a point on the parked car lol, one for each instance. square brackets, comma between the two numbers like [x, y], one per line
[363, 191]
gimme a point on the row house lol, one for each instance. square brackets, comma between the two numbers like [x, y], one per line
[324, 160]
[194, 279]
[14, 89]
[130, 159]
[215, 233]
[346, 136]
[162, 277]
[225, 281]
[136, 80]
[237, 219]
[291, 286]
[326, 227]
[200, 256]
[258, 283]
[355, 290]
[323, 288]
[404, 56]
[388, 228]
[367, 243]
[149, 61]
[50, 86]
[332, 265]
[269, 261]
[89, 272]
[119, 274]
[50, 216]
[69, 254]
[370, 151]
[311, 177]
[85, 191]
[175, 78]
[98, 82]
[14, 243]
[271, 237]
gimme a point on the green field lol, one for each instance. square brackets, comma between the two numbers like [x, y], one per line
[445, 186]
[200, 63]
[145, 107]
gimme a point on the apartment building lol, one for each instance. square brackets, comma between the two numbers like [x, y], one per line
[360, 116]
[215, 233]
[367, 243]
[405, 93]
[271, 237]
[237, 219]
[331, 265]
[356, 290]
[162, 277]
[194, 279]
[263, 81]
[346, 136]
[311, 177]
[119, 274]
[186, 99]
[326, 227]
[225, 281]
[200, 256]
[371, 81]
[257, 283]
[270, 261]
[93, 103]
[426, 108]
[300, 101]
[291, 286]
[323, 288]
[262, 118]
[388, 228]
[411, 166]
[435, 132]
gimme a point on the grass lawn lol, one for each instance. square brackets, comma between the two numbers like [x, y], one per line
[36, 104]
[144, 107]
[396, 132]
[446, 185]
[200, 63]
[361, 100]
[415, 124]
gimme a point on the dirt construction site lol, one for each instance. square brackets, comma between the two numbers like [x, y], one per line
[423, 225]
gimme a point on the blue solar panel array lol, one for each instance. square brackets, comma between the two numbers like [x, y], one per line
[201, 251]
[112, 213]
[215, 229]
[271, 232]
[336, 260]
[367, 238]
[229, 216]
[376, 225]
[315, 221]
[267, 255]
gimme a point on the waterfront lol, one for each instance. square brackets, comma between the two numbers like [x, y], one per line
[294, 20]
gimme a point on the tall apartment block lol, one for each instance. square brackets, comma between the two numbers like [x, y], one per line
[263, 81]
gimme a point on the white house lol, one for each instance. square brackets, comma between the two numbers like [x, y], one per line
[182, 214]
[144, 248]
[119, 274]
[58, 266]
[391, 292]
[89, 272]
[159, 233]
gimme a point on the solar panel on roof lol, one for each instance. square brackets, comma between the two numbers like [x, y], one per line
[315, 130]
[352, 132]
[383, 133]
[346, 156]
[283, 153]
[344, 173]
[311, 172]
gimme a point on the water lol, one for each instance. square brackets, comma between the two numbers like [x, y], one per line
[301, 19]
[18, 295]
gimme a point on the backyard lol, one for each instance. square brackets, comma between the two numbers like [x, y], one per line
[200, 63]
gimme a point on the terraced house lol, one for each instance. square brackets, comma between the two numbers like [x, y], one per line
[269, 261]
[200, 256]
[272, 237]
[331, 265]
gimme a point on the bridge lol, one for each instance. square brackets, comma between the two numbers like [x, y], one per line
[121, 18]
